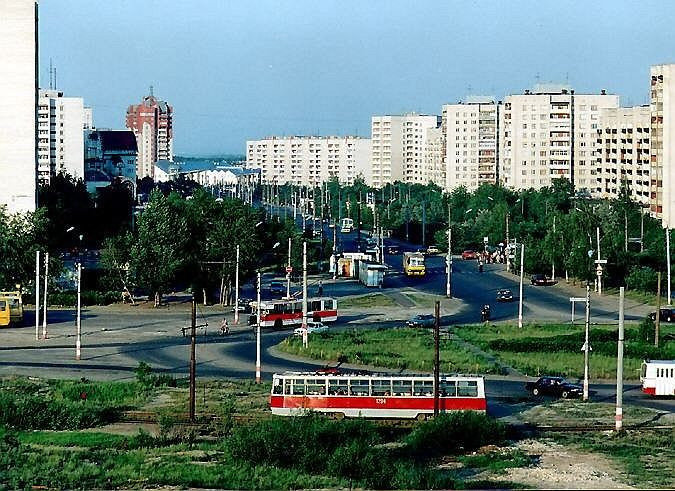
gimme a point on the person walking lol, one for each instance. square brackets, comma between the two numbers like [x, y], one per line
[224, 328]
[320, 288]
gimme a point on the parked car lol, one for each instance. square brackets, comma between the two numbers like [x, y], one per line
[554, 386]
[277, 288]
[393, 249]
[421, 320]
[504, 295]
[667, 314]
[469, 254]
[542, 280]
[312, 327]
[244, 306]
[433, 250]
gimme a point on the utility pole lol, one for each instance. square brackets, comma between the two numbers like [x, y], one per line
[288, 272]
[642, 231]
[44, 296]
[437, 361]
[553, 254]
[236, 289]
[597, 231]
[667, 264]
[78, 341]
[358, 226]
[657, 321]
[335, 261]
[520, 295]
[508, 248]
[304, 294]
[448, 260]
[625, 231]
[619, 366]
[258, 377]
[193, 361]
[37, 295]
[587, 346]
[424, 223]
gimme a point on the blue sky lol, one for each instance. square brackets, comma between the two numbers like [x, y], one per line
[237, 70]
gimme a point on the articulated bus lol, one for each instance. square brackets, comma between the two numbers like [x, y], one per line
[658, 377]
[287, 313]
[375, 395]
[14, 306]
[347, 225]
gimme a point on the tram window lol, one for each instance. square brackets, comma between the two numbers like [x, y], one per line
[359, 388]
[338, 387]
[402, 387]
[315, 305]
[329, 304]
[298, 387]
[288, 308]
[424, 388]
[381, 388]
[287, 388]
[447, 388]
[279, 308]
[467, 388]
[316, 387]
[278, 386]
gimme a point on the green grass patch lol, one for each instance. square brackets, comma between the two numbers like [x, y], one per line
[421, 300]
[498, 460]
[577, 412]
[555, 349]
[368, 301]
[398, 348]
[72, 439]
[647, 458]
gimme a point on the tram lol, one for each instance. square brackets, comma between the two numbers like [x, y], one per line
[288, 313]
[374, 396]
[658, 377]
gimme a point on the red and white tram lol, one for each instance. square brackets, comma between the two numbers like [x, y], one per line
[286, 313]
[374, 396]
[658, 377]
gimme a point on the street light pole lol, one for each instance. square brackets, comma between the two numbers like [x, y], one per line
[37, 295]
[520, 295]
[597, 232]
[78, 342]
[304, 294]
[448, 260]
[44, 296]
[335, 261]
[587, 346]
[619, 366]
[236, 289]
[667, 264]
[193, 361]
[288, 273]
[258, 377]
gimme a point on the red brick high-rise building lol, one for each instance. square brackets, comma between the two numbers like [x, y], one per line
[152, 123]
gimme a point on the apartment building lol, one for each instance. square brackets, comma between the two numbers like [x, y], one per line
[471, 142]
[549, 133]
[152, 123]
[433, 170]
[662, 151]
[18, 104]
[398, 145]
[309, 160]
[61, 124]
[622, 153]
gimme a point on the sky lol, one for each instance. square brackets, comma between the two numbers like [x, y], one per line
[237, 70]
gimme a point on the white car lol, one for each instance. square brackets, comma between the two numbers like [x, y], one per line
[312, 327]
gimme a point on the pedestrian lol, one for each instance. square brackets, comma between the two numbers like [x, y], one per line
[320, 288]
[224, 328]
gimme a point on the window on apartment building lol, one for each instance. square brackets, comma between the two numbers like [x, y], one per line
[594, 108]
[524, 172]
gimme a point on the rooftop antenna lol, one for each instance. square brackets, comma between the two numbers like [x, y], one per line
[51, 72]
[151, 91]
[536, 77]
[55, 86]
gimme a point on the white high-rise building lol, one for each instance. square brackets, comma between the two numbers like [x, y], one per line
[471, 142]
[549, 133]
[398, 146]
[433, 170]
[18, 102]
[309, 160]
[61, 124]
[662, 152]
[622, 153]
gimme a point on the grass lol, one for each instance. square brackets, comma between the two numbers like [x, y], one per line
[402, 348]
[576, 412]
[647, 458]
[555, 349]
[498, 460]
[421, 300]
[368, 301]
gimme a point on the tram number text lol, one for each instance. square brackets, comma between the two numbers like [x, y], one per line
[380, 401]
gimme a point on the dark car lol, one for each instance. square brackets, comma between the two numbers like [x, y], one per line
[422, 320]
[554, 386]
[542, 280]
[667, 314]
[277, 288]
[244, 305]
[392, 249]
[504, 295]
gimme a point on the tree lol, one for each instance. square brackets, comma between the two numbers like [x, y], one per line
[157, 251]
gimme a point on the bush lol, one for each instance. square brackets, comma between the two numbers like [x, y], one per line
[145, 377]
[642, 278]
[88, 297]
[454, 432]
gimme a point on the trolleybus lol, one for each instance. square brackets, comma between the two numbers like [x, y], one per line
[375, 395]
[287, 313]
[658, 377]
